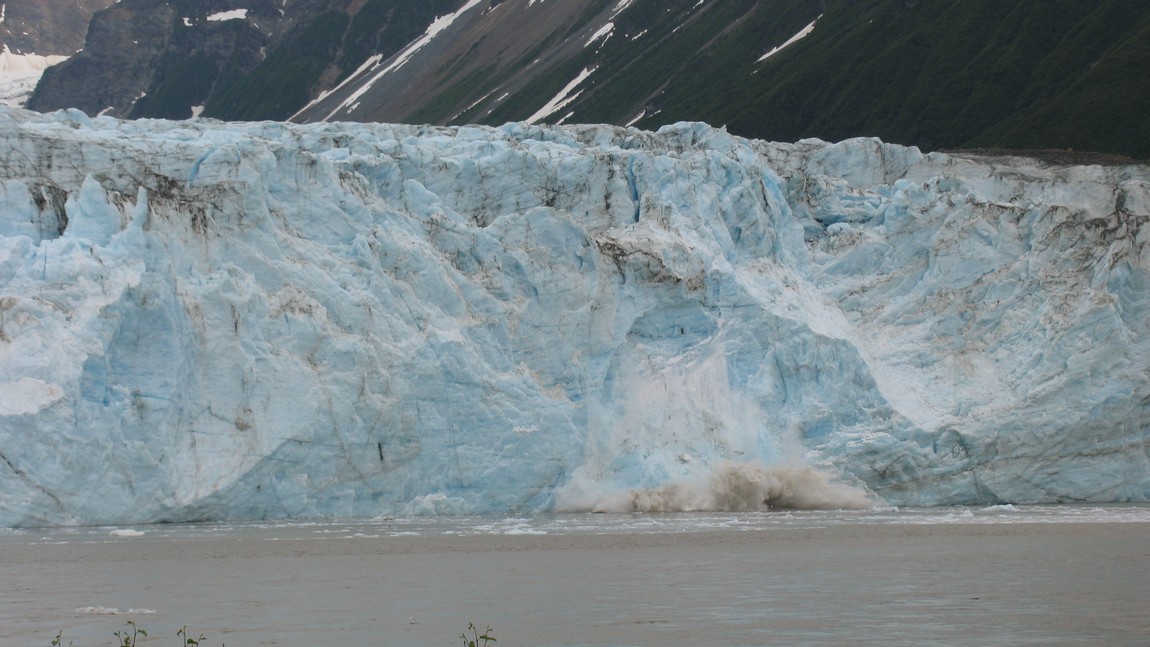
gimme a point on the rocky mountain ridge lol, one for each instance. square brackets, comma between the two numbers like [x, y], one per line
[46, 27]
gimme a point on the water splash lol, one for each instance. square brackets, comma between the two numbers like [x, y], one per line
[730, 487]
[679, 434]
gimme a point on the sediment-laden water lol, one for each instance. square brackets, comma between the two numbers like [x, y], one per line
[976, 576]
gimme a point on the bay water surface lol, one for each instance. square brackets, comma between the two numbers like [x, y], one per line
[1003, 575]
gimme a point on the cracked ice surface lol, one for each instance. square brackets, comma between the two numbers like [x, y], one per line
[242, 321]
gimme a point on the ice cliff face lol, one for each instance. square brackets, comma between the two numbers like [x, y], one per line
[210, 321]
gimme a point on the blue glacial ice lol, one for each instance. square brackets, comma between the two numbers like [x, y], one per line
[202, 320]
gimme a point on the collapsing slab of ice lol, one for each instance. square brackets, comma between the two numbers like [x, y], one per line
[241, 321]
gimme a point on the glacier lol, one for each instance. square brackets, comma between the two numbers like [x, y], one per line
[226, 321]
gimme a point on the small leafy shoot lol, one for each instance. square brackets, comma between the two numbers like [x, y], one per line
[128, 639]
[474, 639]
[188, 640]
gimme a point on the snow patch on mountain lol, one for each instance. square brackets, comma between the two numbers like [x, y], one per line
[802, 33]
[19, 74]
[352, 78]
[436, 27]
[233, 14]
[620, 8]
[563, 97]
[603, 32]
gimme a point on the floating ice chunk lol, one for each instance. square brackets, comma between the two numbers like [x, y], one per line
[126, 532]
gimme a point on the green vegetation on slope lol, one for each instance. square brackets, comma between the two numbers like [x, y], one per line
[322, 53]
[386, 26]
[185, 83]
[932, 73]
[938, 74]
[696, 50]
[282, 82]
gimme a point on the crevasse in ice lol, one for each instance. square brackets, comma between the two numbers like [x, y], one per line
[244, 321]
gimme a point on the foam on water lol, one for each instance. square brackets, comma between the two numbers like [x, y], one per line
[112, 611]
[588, 523]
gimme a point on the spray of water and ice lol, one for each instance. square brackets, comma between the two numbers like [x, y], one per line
[250, 321]
[728, 487]
[692, 443]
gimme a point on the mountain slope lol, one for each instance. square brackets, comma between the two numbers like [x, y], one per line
[952, 74]
[327, 46]
[936, 74]
[507, 62]
[46, 27]
[164, 58]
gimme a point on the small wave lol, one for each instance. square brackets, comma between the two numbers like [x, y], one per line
[1002, 508]
[731, 487]
[112, 611]
[524, 531]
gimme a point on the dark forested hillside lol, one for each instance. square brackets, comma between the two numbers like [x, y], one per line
[1034, 74]
[949, 73]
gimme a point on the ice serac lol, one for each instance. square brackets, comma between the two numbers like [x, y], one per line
[238, 321]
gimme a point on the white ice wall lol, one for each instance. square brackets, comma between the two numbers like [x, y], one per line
[233, 321]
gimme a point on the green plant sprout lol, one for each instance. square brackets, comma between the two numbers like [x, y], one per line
[128, 638]
[473, 641]
[125, 639]
[188, 640]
